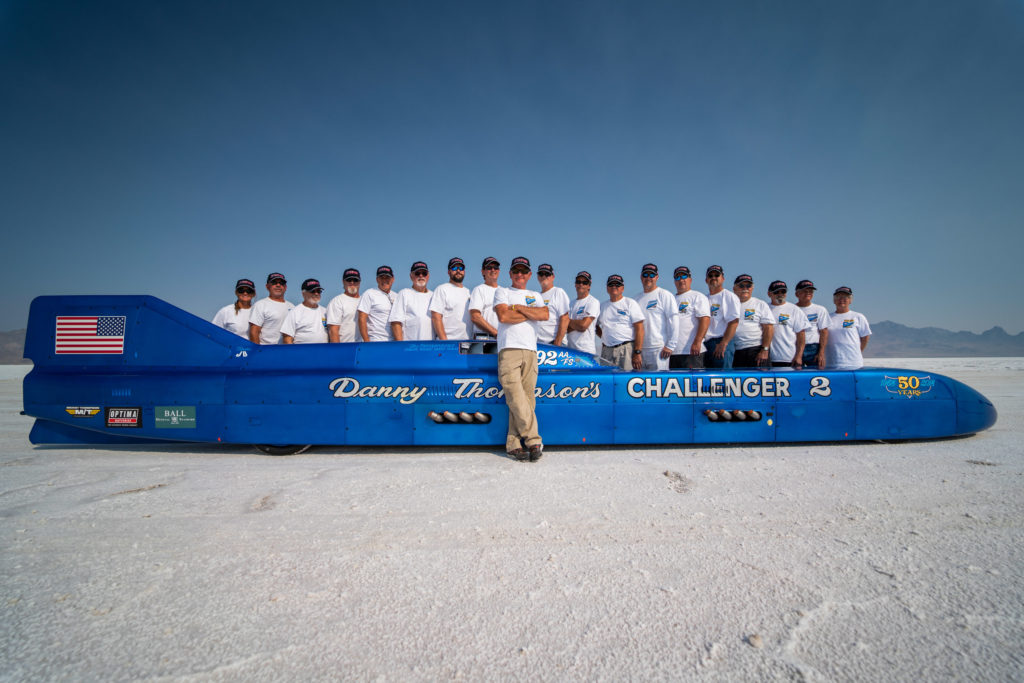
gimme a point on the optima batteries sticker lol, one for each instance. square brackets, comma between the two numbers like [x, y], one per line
[124, 417]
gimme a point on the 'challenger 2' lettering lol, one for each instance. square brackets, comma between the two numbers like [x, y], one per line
[707, 387]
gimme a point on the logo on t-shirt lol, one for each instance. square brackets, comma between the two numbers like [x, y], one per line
[714, 310]
[783, 319]
[848, 323]
[748, 314]
[683, 306]
[652, 304]
[621, 311]
[812, 317]
[579, 311]
[530, 300]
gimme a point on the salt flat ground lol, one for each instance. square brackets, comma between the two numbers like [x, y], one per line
[812, 562]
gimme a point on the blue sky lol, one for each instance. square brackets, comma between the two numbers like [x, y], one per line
[170, 148]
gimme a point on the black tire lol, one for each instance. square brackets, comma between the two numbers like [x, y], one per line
[272, 449]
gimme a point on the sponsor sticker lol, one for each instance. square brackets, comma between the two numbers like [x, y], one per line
[175, 417]
[82, 411]
[124, 417]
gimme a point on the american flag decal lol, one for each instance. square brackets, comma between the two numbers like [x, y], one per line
[90, 334]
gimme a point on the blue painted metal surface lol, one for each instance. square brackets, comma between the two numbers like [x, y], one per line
[180, 378]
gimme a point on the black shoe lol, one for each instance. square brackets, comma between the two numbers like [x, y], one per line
[520, 454]
[536, 452]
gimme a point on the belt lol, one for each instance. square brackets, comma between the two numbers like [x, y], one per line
[482, 335]
[615, 346]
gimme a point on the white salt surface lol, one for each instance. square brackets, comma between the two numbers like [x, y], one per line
[819, 562]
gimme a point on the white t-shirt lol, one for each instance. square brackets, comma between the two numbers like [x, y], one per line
[691, 306]
[517, 335]
[661, 319]
[342, 312]
[412, 309]
[268, 315]
[753, 314]
[306, 325]
[377, 307]
[789, 321]
[482, 299]
[842, 351]
[557, 302]
[725, 307]
[453, 304]
[231, 321]
[617, 319]
[588, 307]
[818, 317]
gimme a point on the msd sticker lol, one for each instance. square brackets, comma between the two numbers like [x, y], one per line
[124, 417]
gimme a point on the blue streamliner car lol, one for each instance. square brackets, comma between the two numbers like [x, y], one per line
[135, 369]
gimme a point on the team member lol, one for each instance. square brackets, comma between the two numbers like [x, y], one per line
[725, 315]
[267, 314]
[307, 322]
[342, 310]
[755, 329]
[848, 334]
[582, 315]
[410, 316]
[661, 320]
[481, 301]
[235, 317]
[518, 309]
[375, 308]
[818, 317]
[694, 318]
[552, 330]
[449, 308]
[620, 324]
[791, 327]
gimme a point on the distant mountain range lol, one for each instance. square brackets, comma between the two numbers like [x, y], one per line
[888, 340]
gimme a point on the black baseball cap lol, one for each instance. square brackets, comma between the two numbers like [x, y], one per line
[385, 270]
[649, 268]
[843, 290]
[276, 276]
[681, 270]
[615, 280]
[743, 278]
[584, 275]
[245, 282]
[776, 286]
[712, 269]
[805, 284]
[520, 262]
[419, 265]
[545, 269]
[311, 285]
[490, 261]
[455, 261]
[351, 274]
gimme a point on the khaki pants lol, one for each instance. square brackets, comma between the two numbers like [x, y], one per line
[620, 355]
[517, 372]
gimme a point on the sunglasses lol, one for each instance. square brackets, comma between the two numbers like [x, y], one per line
[353, 279]
[278, 282]
[419, 273]
[519, 271]
[649, 275]
[715, 273]
[245, 290]
[583, 282]
[681, 277]
[492, 267]
[778, 291]
[744, 286]
[616, 285]
[458, 269]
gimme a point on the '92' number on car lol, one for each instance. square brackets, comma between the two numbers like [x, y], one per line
[547, 358]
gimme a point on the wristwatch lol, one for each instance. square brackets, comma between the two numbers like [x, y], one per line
[764, 348]
[637, 352]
